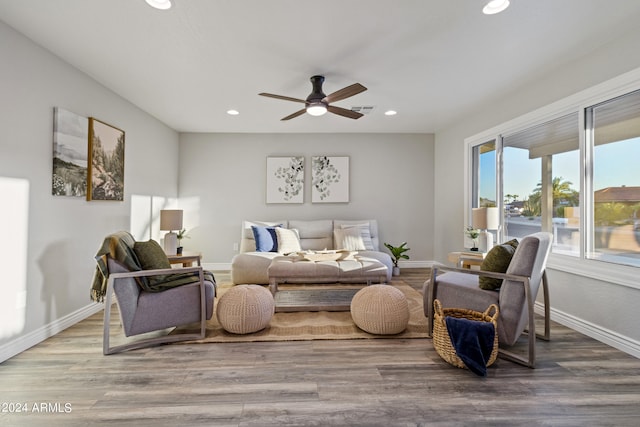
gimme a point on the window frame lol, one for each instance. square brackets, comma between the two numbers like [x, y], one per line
[620, 274]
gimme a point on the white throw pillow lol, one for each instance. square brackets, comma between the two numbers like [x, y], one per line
[349, 239]
[288, 240]
[365, 232]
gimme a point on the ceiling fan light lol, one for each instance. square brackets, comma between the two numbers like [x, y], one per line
[495, 6]
[317, 109]
[159, 4]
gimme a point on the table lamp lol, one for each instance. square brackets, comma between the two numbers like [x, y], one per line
[171, 219]
[485, 219]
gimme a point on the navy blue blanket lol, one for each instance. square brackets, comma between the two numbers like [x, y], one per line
[473, 342]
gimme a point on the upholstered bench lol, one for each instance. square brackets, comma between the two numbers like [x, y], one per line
[296, 269]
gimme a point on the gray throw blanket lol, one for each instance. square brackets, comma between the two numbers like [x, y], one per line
[114, 247]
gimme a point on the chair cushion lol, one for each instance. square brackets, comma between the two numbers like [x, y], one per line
[497, 261]
[150, 255]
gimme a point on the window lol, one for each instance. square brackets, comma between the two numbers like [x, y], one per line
[541, 178]
[615, 235]
[484, 172]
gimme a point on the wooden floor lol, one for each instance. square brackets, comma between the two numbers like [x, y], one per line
[66, 381]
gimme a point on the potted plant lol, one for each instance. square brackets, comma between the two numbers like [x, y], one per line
[473, 234]
[397, 253]
[182, 234]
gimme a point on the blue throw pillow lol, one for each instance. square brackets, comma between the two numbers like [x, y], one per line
[266, 238]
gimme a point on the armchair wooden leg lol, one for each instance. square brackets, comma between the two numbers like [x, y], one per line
[430, 293]
[530, 361]
[547, 309]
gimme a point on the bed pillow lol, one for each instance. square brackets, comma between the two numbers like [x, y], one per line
[288, 240]
[497, 261]
[266, 239]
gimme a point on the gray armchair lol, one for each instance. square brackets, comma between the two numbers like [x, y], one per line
[142, 310]
[459, 288]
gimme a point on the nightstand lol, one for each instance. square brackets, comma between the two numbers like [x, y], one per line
[466, 259]
[186, 258]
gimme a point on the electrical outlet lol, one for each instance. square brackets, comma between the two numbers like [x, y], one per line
[236, 248]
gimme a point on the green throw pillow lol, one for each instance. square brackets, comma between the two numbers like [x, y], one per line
[151, 255]
[497, 261]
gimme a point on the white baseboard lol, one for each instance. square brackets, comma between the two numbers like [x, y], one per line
[22, 343]
[596, 332]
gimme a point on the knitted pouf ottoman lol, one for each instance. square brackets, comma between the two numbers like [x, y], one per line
[244, 309]
[380, 310]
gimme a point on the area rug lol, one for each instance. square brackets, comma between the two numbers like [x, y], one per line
[316, 325]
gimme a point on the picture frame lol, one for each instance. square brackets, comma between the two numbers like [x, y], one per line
[330, 179]
[105, 176]
[285, 179]
[70, 154]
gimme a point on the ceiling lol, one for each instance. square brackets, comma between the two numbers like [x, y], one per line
[433, 61]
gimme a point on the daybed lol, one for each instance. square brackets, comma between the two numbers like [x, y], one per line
[251, 265]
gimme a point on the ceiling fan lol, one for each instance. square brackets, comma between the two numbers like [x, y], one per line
[317, 103]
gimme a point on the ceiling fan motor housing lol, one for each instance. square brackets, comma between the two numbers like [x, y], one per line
[317, 95]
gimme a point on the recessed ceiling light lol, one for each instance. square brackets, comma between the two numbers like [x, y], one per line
[159, 4]
[233, 112]
[390, 113]
[495, 6]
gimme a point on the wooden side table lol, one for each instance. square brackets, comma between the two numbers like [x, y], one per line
[186, 258]
[466, 259]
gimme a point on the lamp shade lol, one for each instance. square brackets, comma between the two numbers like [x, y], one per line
[485, 218]
[479, 218]
[171, 219]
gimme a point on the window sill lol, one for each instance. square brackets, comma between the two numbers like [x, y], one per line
[599, 270]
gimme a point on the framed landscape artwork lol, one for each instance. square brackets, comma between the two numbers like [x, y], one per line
[329, 179]
[70, 154]
[285, 179]
[106, 162]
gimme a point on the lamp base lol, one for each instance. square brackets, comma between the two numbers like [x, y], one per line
[485, 241]
[170, 243]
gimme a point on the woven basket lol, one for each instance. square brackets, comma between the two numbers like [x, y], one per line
[441, 339]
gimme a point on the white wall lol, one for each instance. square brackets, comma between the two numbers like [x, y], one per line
[222, 182]
[575, 300]
[53, 264]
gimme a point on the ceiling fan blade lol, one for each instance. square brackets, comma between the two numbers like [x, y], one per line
[344, 112]
[294, 115]
[284, 98]
[344, 93]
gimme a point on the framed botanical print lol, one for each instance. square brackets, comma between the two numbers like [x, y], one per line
[329, 179]
[285, 179]
[106, 162]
